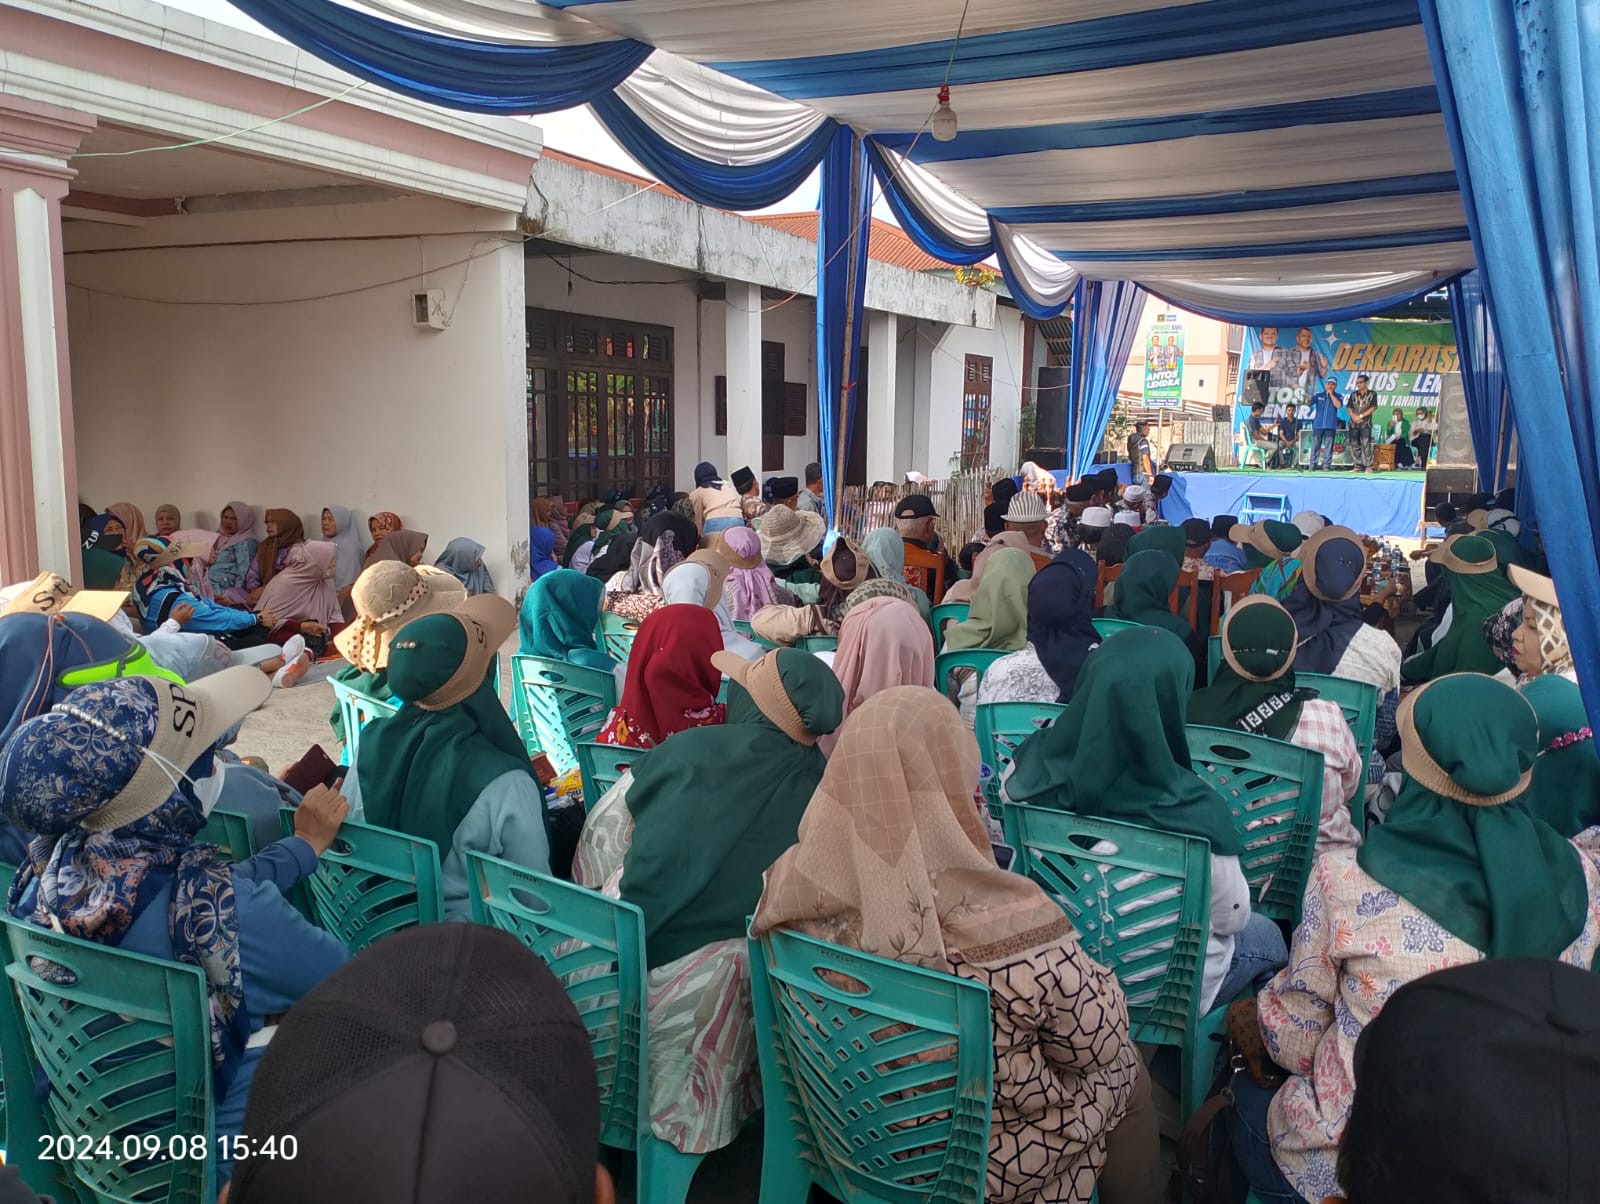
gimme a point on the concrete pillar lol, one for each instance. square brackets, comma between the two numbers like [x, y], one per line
[38, 477]
[883, 370]
[742, 314]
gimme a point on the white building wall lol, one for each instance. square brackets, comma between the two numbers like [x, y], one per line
[947, 367]
[313, 401]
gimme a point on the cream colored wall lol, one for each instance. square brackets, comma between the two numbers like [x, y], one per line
[1205, 355]
[314, 401]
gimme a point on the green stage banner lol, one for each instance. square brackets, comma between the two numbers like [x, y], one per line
[1163, 364]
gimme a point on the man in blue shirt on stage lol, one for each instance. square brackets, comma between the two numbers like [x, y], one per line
[1324, 424]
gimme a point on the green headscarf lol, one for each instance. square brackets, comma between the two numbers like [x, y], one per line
[713, 807]
[1143, 589]
[581, 534]
[1286, 537]
[1566, 776]
[1474, 597]
[998, 617]
[1254, 689]
[1120, 751]
[102, 569]
[604, 531]
[1507, 551]
[422, 770]
[1163, 539]
[558, 618]
[1460, 841]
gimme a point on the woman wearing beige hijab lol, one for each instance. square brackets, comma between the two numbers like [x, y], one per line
[1072, 1104]
[962, 591]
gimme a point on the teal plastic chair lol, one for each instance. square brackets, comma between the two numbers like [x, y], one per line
[125, 1048]
[232, 832]
[1141, 903]
[977, 659]
[1109, 627]
[878, 1089]
[946, 613]
[557, 705]
[616, 636]
[818, 643]
[1359, 702]
[357, 710]
[602, 767]
[595, 946]
[1214, 657]
[742, 626]
[1000, 728]
[370, 882]
[1274, 796]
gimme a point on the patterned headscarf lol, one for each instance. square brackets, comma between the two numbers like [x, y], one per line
[1554, 651]
[151, 580]
[62, 767]
[384, 522]
[1498, 630]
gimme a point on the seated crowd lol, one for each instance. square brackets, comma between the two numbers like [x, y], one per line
[805, 757]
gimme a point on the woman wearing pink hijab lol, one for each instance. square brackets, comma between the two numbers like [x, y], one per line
[883, 642]
[749, 589]
[302, 595]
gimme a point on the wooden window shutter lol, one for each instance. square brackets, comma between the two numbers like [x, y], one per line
[796, 404]
[720, 391]
[771, 360]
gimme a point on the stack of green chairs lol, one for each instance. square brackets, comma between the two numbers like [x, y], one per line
[557, 705]
[357, 710]
[1109, 627]
[944, 614]
[231, 831]
[1001, 727]
[616, 636]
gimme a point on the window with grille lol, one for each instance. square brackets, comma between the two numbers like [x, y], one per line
[599, 397]
[977, 391]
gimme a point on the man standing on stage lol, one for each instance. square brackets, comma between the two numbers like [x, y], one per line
[1140, 455]
[1324, 424]
[1360, 407]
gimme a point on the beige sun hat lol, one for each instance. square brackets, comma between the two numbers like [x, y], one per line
[855, 555]
[1534, 585]
[765, 684]
[787, 535]
[387, 596]
[50, 593]
[179, 551]
[489, 621]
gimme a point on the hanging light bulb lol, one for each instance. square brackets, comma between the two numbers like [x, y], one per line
[944, 125]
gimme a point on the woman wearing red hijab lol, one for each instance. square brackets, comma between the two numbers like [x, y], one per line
[671, 683]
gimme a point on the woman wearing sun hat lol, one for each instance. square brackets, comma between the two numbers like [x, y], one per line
[788, 537]
[115, 782]
[1478, 591]
[1460, 871]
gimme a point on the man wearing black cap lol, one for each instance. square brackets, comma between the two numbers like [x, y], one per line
[1061, 531]
[1107, 486]
[913, 518]
[785, 492]
[444, 1063]
[811, 497]
[750, 503]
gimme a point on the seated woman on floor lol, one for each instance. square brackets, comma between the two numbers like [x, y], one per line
[161, 589]
[115, 859]
[1072, 1102]
[590, 540]
[105, 553]
[385, 522]
[686, 835]
[1255, 692]
[462, 558]
[671, 684]
[666, 541]
[386, 597]
[1120, 753]
[284, 531]
[232, 554]
[550, 514]
[408, 547]
[339, 527]
[302, 596]
[1460, 871]
[542, 555]
[1061, 634]
[449, 765]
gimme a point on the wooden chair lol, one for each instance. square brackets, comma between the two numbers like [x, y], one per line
[1235, 586]
[1110, 572]
[1107, 574]
[1190, 581]
[923, 567]
[1039, 560]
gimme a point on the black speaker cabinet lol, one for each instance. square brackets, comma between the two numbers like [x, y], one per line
[1191, 457]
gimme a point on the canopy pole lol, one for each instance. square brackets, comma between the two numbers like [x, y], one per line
[842, 237]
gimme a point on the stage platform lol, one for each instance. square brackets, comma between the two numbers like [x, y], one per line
[1381, 503]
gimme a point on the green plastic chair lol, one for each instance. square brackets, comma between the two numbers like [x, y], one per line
[616, 636]
[1274, 796]
[602, 767]
[1359, 702]
[1000, 728]
[232, 832]
[1141, 903]
[818, 643]
[742, 626]
[370, 882]
[945, 613]
[595, 946]
[125, 1046]
[1109, 627]
[357, 710]
[976, 659]
[881, 1095]
[558, 705]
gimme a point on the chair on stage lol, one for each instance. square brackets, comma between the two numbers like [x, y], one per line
[1258, 506]
[1234, 586]
[924, 567]
[1245, 448]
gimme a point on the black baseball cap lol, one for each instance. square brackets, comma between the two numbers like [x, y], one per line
[443, 1063]
[916, 505]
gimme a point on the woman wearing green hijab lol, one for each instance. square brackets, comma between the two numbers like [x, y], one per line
[1566, 776]
[1142, 594]
[559, 614]
[997, 619]
[1255, 692]
[1478, 591]
[687, 835]
[1120, 752]
[1163, 538]
[1460, 871]
[449, 765]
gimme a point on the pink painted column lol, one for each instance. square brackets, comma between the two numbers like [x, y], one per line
[38, 476]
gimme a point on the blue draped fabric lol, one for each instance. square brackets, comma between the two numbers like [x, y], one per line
[1520, 86]
[720, 185]
[1482, 379]
[1105, 322]
[480, 77]
[842, 232]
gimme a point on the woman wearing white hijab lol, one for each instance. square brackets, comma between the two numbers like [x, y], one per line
[699, 581]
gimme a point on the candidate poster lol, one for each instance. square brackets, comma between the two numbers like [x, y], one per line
[1163, 364]
[1404, 363]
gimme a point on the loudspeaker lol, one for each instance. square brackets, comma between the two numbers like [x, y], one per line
[1050, 409]
[1190, 457]
[1050, 458]
[1256, 383]
[1221, 413]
